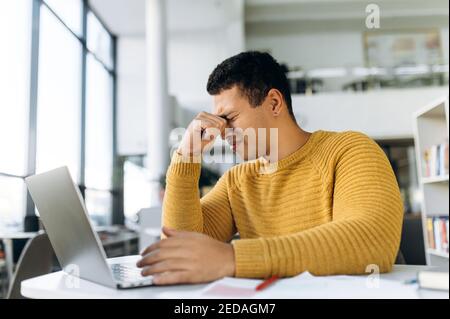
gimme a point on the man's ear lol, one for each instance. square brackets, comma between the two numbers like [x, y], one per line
[275, 102]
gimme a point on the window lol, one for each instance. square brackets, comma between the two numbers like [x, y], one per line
[59, 97]
[99, 144]
[42, 80]
[70, 12]
[15, 34]
[12, 202]
[137, 189]
[99, 41]
[99, 206]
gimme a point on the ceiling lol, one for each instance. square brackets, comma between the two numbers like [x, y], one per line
[122, 17]
[127, 17]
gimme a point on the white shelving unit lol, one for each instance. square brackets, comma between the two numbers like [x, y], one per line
[431, 126]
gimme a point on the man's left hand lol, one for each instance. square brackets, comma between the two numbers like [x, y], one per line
[186, 258]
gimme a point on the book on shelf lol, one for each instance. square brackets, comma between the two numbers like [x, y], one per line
[437, 231]
[435, 160]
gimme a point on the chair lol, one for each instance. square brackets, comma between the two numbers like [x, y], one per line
[412, 244]
[36, 260]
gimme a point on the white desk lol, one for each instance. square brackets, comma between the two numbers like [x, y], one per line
[54, 286]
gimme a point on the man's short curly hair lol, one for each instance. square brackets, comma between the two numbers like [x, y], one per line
[255, 73]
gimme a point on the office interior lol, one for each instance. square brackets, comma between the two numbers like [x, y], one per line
[104, 87]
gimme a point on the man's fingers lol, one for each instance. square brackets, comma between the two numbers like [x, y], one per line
[159, 255]
[173, 277]
[208, 129]
[150, 248]
[211, 121]
[164, 243]
[173, 264]
[220, 121]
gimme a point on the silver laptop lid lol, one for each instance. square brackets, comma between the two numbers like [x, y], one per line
[63, 213]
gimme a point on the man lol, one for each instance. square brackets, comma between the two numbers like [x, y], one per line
[331, 206]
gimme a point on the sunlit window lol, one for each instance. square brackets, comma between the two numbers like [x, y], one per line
[59, 97]
[99, 126]
[99, 143]
[15, 56]
[98, 40]
[12, 202]
[137, 189]
[99, 206]
[43, 54]
[70, 12]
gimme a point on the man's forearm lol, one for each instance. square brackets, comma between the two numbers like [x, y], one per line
[340, 247]
[181, 206]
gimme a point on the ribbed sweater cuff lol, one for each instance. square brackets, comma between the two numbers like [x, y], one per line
[183, 166]
[251, 258]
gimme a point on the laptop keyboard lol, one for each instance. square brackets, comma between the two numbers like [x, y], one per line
[127, 272]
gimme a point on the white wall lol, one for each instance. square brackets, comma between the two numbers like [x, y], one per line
[191, 58]
[202, 33]
[384, 114]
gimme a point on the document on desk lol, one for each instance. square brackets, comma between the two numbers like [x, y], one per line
[307, 286]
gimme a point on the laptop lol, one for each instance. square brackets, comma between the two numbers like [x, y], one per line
[76, 244]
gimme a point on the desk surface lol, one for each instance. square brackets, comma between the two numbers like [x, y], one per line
[59, 285]
[17, 235]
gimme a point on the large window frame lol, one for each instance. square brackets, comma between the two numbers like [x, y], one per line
[116, 191]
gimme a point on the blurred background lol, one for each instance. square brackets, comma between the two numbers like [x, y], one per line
[100, 85]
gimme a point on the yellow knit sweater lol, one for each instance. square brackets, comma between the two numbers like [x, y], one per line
[332, 207]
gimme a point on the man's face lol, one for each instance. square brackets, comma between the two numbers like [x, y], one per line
[243, 122]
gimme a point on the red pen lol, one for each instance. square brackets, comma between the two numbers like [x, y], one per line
[266, 283]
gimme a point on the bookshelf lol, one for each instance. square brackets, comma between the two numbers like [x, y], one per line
[431, 125]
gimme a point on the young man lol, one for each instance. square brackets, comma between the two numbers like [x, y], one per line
[331, 206]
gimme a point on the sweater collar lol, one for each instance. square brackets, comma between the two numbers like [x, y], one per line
[265, 167]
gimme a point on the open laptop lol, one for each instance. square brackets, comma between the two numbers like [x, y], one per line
[76, 244]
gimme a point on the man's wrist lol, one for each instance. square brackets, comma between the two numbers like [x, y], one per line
[230, 265]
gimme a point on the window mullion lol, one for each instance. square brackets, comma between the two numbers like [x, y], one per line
[83, 101]
[31, 160]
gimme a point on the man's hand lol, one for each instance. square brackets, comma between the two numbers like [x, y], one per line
[187, 258]
[200, 133]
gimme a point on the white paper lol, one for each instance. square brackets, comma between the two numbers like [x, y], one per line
[307, 286]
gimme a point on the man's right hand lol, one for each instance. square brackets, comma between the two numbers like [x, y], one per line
[201, 132]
